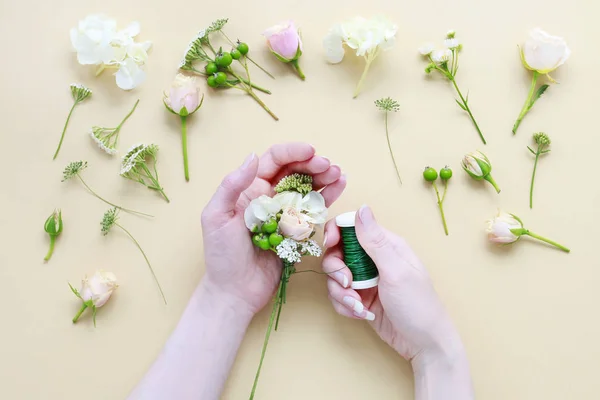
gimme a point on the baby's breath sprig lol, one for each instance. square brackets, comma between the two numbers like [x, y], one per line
[110, 219]
[543, 142]
[446, 63]
[79, 94]
[300, 183]
[107, 138]
[387, 105]
[218, 69]
[136, 163]
[73, 170]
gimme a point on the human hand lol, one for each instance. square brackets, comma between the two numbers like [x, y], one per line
[234, 266]
[404, 308]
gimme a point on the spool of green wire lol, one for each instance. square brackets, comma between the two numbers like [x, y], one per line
[364, 271]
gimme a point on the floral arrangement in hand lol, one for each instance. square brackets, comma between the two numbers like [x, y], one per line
[218, 68]
[445, 62]
[542, 54]
[98, 42]
[285, 224]
[285, 43]
[367, 36]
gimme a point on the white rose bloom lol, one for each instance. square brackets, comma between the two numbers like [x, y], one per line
[543, 52]
[499, 228]
[259, 210]
[92, 39]
[98, 288]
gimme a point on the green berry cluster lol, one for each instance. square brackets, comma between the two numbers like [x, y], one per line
[430, 174]
[267, 236]
[216, 70]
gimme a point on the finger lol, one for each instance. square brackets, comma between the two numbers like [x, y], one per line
[342, 310]
[332, 192]
[314, 166]
[375, 240]
[334, 267]
[225, 198]
[350, 299]
[331, 237]
[280, 155]
[332, 174]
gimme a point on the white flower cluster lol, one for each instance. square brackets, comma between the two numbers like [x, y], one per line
[98, 42]
[97, 134]
[444, 55]
[130, 159]
[311, 247]
[288, 251]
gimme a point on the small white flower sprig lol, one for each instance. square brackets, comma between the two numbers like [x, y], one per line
[79, 94]
[388, 105]
[285, 224]
[542, 54]
[136, 167]
[74, 169]
[95, 292]
[98, 42]
[218, 68]
[543, 142]
[508, 228]
[446, 63]
[107, 138]
[367, 36]
[109, 220]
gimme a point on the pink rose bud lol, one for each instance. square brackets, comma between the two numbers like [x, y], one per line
[184, 96]
[285, 43]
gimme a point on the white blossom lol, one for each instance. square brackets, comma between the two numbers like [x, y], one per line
[288, 251]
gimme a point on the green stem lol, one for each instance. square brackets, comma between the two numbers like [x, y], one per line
[128, 115]
[363, 76]
[527, 106]
[537, 156]
[296, 66]
[146, 258]
[251, 60]
[387, 135]
[184, 147]
[154, 179]
[246, 81]
[493, 182]
[64, 130]
[468, 109]
[255, 97]
[551, 242]
[51, 250]
[81, 310]
[108, 202]
[441, 207]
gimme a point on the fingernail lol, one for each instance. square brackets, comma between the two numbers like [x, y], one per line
[366, 215]
[325, 241]
[341, 278]
[248, 160]
[370, 316]
[356, 305]
[326, 159]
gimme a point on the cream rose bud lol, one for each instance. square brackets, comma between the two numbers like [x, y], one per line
[284, 41]
[543, 52]
[294, 225]
[477, 165]
[98, 288]
[500, 228]
[184, 96]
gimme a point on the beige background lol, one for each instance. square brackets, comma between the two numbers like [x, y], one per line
[527, 314]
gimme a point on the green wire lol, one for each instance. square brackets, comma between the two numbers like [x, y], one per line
[358, 261]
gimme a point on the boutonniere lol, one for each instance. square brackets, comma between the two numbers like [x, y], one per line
[218, 67]
[285, 43]
[542, 53]
[369, 37]
[445, 61]
[79, 94]
[285, 224]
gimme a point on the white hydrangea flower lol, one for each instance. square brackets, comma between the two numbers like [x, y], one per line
[129, 75]
[288, 251]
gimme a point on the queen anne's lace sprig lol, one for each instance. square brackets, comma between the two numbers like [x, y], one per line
[288, 250]
[108, 138]
[79, 94]
[139, 165]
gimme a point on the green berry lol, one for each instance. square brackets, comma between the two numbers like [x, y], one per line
[430, 174]
[270, 226]
[243, 48]
[235, 54]
[212, 81]
[224, 59]
[220, 78]
[263, 243]
[275, 239]
[445, 173]
[256, 239]
[211, 68]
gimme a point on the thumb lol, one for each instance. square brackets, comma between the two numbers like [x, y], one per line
[228, 193]
[375, 239]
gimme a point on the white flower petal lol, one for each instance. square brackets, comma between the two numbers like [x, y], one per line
[129, 75]
[334, 51]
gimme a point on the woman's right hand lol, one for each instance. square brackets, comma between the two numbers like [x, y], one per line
[404, 309]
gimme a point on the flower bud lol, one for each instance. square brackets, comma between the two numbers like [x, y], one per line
[183, 97]
[284, 41]
[477, 165]
[542, 139]
[54, 224]
[98, 288]
[504, 228]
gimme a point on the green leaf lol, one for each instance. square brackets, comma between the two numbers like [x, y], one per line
[467, 99]
[75, 291]
[545, 151]
[531, 150]
[538, 94]
[461, 105]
